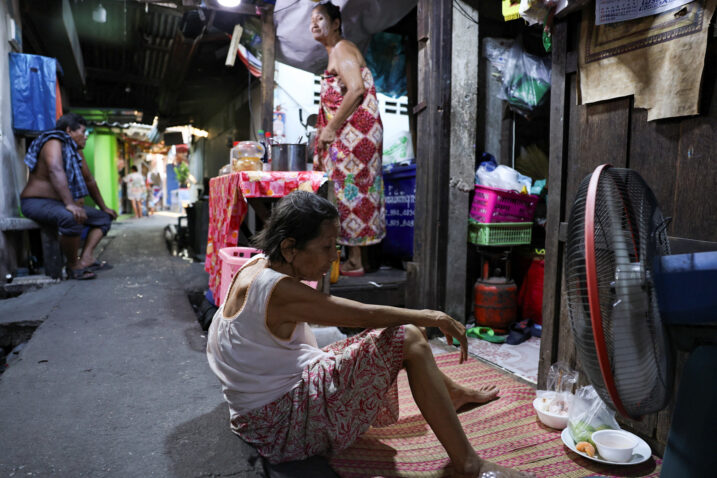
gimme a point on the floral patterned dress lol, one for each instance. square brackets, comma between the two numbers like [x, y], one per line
[353, 162]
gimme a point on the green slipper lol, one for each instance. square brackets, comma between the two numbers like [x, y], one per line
[485, 333]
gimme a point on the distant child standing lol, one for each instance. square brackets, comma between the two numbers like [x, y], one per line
[136, 190]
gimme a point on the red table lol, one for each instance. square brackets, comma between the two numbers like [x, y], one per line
[228, 206]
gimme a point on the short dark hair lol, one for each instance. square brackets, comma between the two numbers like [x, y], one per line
[333, 12]
[134, 168]
[70, 120]
[298, 215]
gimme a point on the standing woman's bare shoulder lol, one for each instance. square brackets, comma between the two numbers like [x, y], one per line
[347, 50]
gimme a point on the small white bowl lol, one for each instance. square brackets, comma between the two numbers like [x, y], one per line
[615, 445]
[550, 419]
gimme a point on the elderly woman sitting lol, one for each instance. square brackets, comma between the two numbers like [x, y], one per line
[293, 400]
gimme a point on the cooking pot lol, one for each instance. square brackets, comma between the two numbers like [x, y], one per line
[288, 157]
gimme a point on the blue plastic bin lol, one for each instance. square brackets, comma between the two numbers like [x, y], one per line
[399, 185]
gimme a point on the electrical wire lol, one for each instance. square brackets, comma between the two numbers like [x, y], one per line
[463, 12]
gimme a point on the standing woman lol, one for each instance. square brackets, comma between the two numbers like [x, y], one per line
[350, 141]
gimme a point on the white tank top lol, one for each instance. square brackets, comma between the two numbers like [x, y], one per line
[253, 365]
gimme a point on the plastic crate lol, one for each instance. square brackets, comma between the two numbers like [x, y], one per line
[492, 205]
[233, 258]
[499, 233]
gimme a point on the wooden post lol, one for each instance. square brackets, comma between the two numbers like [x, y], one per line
[428, 272]
[268, 37]
[464, 114]
[554, 248]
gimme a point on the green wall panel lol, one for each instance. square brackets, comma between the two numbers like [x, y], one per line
[101, 153]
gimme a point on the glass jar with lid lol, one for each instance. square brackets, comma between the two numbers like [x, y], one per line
[246, 156]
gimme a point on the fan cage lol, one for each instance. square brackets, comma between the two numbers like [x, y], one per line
[628, 234]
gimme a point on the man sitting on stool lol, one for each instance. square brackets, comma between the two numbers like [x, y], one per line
[54, 195]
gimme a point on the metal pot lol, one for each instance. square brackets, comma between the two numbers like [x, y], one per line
[288, 157]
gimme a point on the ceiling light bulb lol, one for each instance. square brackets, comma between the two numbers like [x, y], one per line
[229, 3]
[99, 14]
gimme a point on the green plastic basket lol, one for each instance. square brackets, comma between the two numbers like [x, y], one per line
[499, 233]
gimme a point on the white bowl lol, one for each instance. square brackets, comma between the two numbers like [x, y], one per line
[550, 419]
[615, 445]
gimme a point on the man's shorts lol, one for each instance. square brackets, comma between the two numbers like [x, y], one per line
[53, 213]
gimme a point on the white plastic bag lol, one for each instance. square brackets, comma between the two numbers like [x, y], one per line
[588, 414]
[503, 177]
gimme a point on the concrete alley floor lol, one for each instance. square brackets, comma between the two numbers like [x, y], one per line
[115, 382]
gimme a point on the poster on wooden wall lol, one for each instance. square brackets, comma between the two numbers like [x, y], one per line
[659, 59]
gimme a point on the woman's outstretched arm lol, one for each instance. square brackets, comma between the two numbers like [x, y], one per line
[293, 302]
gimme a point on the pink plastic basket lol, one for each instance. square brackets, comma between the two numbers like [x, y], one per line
[500, 205]
[232, 259]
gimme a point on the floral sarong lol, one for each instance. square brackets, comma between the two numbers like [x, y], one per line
[337, 400]
[353, 162]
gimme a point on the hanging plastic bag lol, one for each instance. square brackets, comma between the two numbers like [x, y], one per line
[32, 83]
[588, 414]
[526, 80]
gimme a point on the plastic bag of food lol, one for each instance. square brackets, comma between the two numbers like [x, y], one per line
[589, 414]
[557, 398]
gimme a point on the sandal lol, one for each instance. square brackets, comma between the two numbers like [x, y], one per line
[519, 332]
[80, 274]
[99, 266]
[485, 333]
[354, 273]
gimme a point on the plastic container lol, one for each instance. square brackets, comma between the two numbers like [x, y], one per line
[232, 259]
[552, 420]
[615, 445]
[491, 205]
[246, 156]
[500, 233]
[399, 185]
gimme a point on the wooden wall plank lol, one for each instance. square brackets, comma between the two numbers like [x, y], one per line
[653, 154]
[433, 147]
[695, 210]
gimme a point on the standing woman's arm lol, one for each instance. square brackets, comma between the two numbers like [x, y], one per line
[348, 67]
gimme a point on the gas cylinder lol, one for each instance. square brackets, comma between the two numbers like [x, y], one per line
[495, 300]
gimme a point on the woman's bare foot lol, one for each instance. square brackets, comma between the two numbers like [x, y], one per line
[477, 469]
[349, 266]
[461, 395]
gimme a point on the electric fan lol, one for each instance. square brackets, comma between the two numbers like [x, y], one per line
[624, 290]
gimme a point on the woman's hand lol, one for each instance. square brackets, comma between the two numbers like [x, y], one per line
[452, 328]
[326, 137]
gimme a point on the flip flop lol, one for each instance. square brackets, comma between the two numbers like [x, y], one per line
[485, 333]
[80, 274]
[354, 273]
[99, 266]
[519, 332]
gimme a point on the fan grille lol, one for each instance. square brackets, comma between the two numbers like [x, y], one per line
[628, 234]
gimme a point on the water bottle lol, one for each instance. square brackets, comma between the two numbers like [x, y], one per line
[267, 145]
[261, 140]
